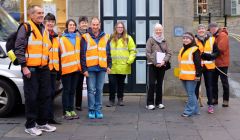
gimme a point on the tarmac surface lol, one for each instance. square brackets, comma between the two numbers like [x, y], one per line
[134, 122]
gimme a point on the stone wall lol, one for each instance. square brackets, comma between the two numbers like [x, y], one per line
[87, 8]
[176, 13]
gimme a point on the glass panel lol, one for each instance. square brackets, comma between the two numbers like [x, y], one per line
[107, 8]
[140, 32]
[140, 71]
[121, 7]
[108, 26]
[124, 22]
[154, 8]
[151, 26]
[58, 8]
[140, 8]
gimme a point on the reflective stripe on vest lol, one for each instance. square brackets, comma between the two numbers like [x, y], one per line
[207, 48]
[38, 47]
[186, 64]
[96, 53]
[54, 55]
[70, 55]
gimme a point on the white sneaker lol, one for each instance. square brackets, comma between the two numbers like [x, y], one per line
[161, 106]
[46, 128]
[150, 107]
[33, 131]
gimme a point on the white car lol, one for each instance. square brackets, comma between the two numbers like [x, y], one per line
[11, 82]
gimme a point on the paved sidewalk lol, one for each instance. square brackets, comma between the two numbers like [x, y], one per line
[134, 122]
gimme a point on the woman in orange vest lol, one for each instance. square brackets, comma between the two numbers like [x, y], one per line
[190, 70]
[209, 52]
[53, 64]
[70, 68]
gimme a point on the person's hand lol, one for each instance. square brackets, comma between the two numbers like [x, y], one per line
[160, 64]
[108, 70]
[197, 78]
[85, 73]
[26, 72]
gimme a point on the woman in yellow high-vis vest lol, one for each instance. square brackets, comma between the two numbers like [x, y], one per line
[209, 52]
[70, 68]
[190, 71]
[123, 53]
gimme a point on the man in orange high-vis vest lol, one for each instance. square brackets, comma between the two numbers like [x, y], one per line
[95, 61]
[209, 51]
[49, 22]
[32, 54]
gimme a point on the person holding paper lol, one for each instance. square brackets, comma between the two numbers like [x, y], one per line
[189, 60]
[158, 54]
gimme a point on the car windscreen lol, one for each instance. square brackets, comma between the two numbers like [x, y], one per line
[7, 25]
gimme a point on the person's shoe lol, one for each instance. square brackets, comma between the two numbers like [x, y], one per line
[120, 102]
[91, 114]
[79, 108]
[33, 131]
[46, 128]
[99, 115]
[161, 106]
[74, 115]
[225, 104]
[67, 115]
[53, 121]
[110, 104]
[210, 109]
[150, 107]
[185, 115]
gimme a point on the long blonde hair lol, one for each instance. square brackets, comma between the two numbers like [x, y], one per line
[124, 36]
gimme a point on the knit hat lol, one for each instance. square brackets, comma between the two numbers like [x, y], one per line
[211, 25]
[201, 26]
[187, 36]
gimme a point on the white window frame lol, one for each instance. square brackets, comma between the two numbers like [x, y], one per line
[202, 3]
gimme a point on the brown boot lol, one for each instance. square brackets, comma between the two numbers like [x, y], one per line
[225, 103]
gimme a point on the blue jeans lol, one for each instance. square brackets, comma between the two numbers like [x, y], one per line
[69, 82]
[191, 107]
[95, 82]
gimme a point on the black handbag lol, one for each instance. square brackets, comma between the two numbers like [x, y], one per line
[168, 64]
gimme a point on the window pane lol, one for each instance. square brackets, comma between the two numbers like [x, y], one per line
[108, 8]
[108, 26]
[140, 71]
[140, 31]
[140, 8]
[121, 7]
[151, 26]
[124, 22]
[153, 7]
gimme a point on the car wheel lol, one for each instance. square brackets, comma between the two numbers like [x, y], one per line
[7, 98]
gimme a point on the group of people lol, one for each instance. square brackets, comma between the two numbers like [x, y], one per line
[81, 52]
[88, 52]
[207, 54]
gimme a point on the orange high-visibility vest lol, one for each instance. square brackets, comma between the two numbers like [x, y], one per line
[70, 55]
[186, 64]
[96, 54]
[53, 54]
[207, 48]
[38, 47]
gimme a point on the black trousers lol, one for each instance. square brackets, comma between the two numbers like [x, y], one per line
[116, 84]
[53, 78]
[225, 84]
[78, 97]
[155, 74]
[208, 80]
[37, 96]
